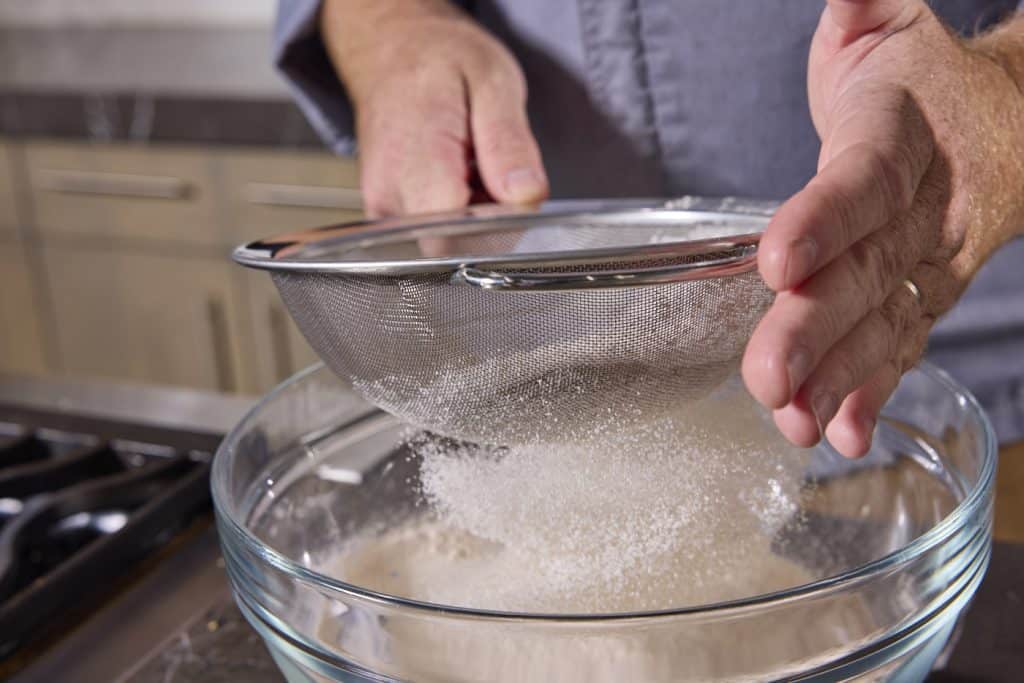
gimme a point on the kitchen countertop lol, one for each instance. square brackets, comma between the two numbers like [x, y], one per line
[220, 646]
[206, 640]
[173, 85]
[142, 405]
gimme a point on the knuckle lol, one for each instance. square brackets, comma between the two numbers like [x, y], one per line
[504, 137]
[846, 370]
[916, 343]
[840, 209]
[424, 80]
[495, 68]
[894, 315]
[502, 76]
[893, 173]
[826, 325]
[875, 266]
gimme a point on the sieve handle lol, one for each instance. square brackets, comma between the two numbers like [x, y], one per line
[739, 259]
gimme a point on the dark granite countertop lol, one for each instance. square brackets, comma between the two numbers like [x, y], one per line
[135, 117]
[221, 646]
[172, 85]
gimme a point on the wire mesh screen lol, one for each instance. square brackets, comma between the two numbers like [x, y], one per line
[525, 366]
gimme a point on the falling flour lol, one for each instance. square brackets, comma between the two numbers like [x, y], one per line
[683, 511]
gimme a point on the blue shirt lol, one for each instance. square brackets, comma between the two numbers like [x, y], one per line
[669, 97]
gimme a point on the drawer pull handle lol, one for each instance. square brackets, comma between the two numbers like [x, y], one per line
[305, 196]
[112, 184]
[220, 336]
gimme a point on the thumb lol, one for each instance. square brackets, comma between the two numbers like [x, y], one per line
[507, 155]
[858, 17]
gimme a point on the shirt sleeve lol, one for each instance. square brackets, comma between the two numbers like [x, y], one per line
[302, 59]
[300, 55]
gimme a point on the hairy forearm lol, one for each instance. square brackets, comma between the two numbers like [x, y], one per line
[1004, 44]
[1003, 111]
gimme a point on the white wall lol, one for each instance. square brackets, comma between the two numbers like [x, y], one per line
[42, 13]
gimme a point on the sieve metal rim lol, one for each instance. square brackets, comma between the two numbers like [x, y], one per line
[302, 252]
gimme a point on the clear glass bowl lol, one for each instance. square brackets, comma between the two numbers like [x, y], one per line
[900, 541]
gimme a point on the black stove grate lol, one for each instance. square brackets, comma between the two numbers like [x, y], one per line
[79, 511]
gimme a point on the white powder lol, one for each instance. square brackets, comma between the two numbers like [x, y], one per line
[679, 512]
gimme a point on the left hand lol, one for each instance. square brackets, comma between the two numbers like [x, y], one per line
[919, 179]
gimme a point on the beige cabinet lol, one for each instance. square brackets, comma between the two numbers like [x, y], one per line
[123, 191]
[268, 193]
[21, 313]
[149, 317]
[133, 264]
[8, 207]
[276, 349]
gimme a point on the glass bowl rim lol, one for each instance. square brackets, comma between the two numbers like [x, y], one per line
[856, 575]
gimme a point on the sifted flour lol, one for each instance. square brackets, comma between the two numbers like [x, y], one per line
[681, 511]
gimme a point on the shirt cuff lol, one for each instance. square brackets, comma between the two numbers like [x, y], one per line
[302, 59]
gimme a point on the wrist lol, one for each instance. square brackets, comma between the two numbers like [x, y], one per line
[365, 38]
[1003, 113]
[1004, 45]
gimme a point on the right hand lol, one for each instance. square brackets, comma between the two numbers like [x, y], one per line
[440, 107]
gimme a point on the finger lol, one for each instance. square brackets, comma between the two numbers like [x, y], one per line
[802, 324]
[857, 17]
[506, 152]
[853, 428]
[414, 146]
[878, 156]
[876, 340]
[378, 182]
[434, 175]
[793, 424]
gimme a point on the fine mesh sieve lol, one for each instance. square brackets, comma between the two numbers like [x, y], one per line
[506, 327]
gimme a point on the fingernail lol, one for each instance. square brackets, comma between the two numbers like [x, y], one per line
[523, 184]
[798, 366]
[800, 262]
[824, 407]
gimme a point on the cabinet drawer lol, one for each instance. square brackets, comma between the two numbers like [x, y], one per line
[21, 329]
[8, 207]
[123, 191]
[268, 193]
[146, 317]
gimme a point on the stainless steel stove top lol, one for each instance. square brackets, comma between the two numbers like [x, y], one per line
[106, 541]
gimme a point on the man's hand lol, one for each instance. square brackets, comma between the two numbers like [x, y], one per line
[440, 106]
[920, 178]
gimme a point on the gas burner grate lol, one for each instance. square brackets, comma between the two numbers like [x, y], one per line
[78, 511]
